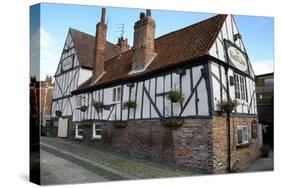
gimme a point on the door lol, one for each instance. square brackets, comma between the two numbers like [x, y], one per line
[62, 128]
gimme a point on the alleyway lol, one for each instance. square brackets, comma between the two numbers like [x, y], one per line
[64, 161]
[262, 164]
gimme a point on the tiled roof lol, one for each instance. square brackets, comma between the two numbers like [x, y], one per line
[84, 45]
[179, 46]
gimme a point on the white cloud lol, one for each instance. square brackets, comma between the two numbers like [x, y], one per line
[43, 55]
[262, 66]
[46, 39]
[49, 56]
[35, 54]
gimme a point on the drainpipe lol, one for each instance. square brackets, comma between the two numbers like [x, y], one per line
[228, 125]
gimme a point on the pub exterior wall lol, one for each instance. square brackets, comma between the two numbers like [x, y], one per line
[200, 144]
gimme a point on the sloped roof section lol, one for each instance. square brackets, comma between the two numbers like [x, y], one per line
[84, 45]
[176, 47]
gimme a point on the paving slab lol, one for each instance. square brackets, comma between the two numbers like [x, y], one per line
[262, 164]
[56, 170]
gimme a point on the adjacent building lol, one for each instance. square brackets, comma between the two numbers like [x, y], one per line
[265, 96]
[160, 99]
[41, 93]
[46, 95]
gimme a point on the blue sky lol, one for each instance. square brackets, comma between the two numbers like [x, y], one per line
[257, 32]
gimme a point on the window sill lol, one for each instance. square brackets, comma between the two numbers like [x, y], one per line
[96, 138]
[78, 138]
[244, 145]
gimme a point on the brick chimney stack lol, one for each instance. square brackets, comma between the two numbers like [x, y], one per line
[143, 47]
[99, 50]
[123, 44]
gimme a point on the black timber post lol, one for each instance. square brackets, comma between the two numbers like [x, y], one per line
[228, 125]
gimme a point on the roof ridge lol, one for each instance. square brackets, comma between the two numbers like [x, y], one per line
[90, 35]
[192, 25]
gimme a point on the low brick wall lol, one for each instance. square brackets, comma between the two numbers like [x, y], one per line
[188, 145]
[200, 144]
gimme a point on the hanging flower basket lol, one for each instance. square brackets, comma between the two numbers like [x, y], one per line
[98, 105]
[228, 106]
[58, 113]
[175, 96]
[83, 108]
[172, 122]
[130, 104]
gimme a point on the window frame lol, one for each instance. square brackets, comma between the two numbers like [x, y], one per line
[244, 141]
[240, 87]
[77, 135]
[80, 100]
[116, 94]
[95, 135]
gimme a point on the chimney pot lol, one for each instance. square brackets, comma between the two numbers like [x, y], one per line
[143, 47]
[99, 50]
[142, 15]
[148, 12]
[103, 10]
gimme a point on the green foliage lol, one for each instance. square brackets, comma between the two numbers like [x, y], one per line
[175, 96]
[130, 104]
[265, 150]
[172, 122]
[98, 105]
[228, 106]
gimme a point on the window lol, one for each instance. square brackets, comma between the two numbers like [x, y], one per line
[80, 100]
[268, 81]
[97, 131]
[242, 134]
[78, 131]
[240, 87]
[254, 132]
[116, 96]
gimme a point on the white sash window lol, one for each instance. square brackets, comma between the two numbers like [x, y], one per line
[97, 131]
[240, 87]
[78, 131]
[242, 135]
[116, 94]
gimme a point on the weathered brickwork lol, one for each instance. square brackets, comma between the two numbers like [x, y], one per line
[143, 48]
[200, 144]
[241, 157]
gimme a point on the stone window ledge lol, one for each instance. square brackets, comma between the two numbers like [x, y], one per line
[244, 145]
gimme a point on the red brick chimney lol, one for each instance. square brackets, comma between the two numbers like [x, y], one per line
[123, 44]
[99, 50]
[143, 47]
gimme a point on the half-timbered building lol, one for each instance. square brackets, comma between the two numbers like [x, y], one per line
[122, 98]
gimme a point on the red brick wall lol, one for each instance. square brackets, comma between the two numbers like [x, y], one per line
[99, 51]
[143, 42]
[240, 157]
[200, 144]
